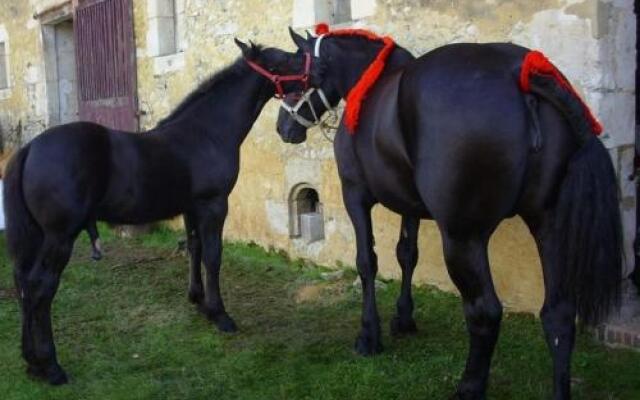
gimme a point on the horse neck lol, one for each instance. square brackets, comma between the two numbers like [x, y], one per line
[229, 109]
[350, 70]
[398, 58]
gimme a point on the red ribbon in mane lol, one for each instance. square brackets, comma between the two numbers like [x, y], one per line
[369, 77]
[537, 63]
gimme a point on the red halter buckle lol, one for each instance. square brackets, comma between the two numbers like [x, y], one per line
[278, 79]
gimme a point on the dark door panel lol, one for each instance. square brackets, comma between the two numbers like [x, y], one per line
[106, 60]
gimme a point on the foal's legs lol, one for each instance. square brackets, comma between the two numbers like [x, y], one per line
[38, 288]
[468, 266]
[407, 254]
[196, 291]
[359, 202]
[211, 216]
[92, 230]
[558, 312]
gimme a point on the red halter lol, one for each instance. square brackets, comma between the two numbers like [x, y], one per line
[278, 79]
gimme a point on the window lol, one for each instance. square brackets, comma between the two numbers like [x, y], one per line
[339, 11]
[165, 27]
[305, 214]
[4, 71]
[307, 13]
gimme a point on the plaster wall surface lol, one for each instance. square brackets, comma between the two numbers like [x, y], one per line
[591, 41]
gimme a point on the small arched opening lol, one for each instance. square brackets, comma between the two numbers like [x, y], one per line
[305, 214]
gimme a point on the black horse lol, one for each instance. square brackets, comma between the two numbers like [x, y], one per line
[452, 137]
[74, 174]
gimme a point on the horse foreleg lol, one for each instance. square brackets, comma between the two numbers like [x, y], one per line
[358, 202]
[196, 291]
[211, 218]
[407, 254]
[468, 267]
[558, 312]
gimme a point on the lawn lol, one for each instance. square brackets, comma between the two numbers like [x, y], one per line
[125, 330]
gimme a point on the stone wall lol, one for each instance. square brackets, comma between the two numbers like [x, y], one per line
[592, 41]
[23, 112]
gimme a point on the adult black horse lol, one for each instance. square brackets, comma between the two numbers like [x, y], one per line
[468, 135]
[74, 174]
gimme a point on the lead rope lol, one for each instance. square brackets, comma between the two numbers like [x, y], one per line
[331, 122]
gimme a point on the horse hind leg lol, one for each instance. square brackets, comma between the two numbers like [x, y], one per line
[407, 255]
[468, 266]
[38, 290]
[558, 311]
[96, 248]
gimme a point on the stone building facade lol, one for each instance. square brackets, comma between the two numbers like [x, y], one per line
[180, 42]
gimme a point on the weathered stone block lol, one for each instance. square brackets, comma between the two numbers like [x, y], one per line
[311, 227]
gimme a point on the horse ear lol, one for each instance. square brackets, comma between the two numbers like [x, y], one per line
[309, 35]
[298, 40]
[246, 50]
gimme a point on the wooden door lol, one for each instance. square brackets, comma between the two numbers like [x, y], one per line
[106, 63]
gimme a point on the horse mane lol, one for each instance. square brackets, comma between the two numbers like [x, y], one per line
[369, 77]
[235, 69]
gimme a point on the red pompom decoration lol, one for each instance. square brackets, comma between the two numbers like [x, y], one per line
[322, 28]
[537, 63]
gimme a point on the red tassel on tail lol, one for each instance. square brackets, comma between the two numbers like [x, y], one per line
[537, 63]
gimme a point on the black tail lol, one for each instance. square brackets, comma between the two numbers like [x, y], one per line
[588, 232]
[24, 236]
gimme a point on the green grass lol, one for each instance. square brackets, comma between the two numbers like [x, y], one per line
[125, 330]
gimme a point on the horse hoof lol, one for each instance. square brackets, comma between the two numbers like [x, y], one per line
[195, 296]
[55, 375]
[465, 394]
[459, 396]
[221, 319]
[96, 256]
[368, 346]
[225, 323]
[400, 327]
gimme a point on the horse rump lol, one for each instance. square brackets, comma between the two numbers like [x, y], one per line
[23, 235]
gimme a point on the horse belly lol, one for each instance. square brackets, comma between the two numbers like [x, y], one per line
[397, 192]
[145, 188]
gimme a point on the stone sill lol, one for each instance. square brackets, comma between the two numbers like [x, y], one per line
[168, 63]
[5, 93]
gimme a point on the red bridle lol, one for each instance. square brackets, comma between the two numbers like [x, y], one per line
[278, 79]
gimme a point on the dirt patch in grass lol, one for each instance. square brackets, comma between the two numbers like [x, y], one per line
[309, 293]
